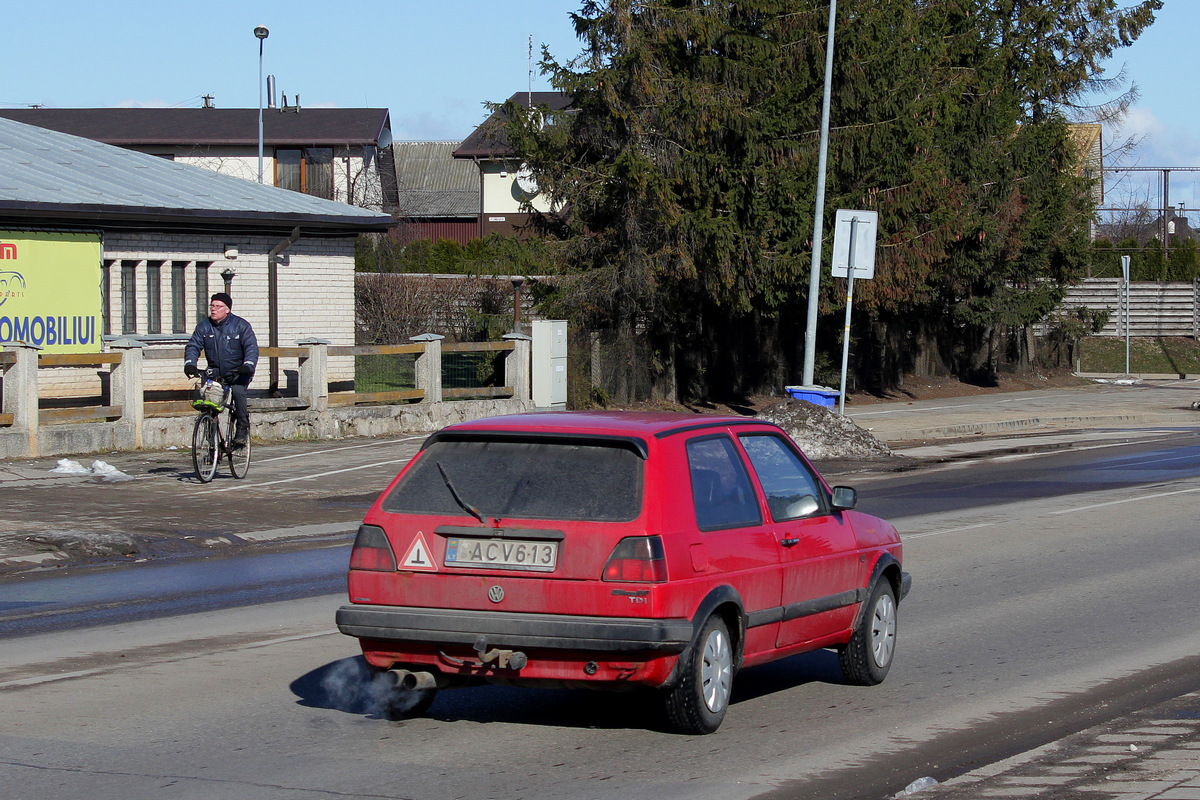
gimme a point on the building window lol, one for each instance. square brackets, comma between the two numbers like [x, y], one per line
[154, 296]
[202, 289]
[129, 297]
[308, 170]
[106, 296]
[178, 297]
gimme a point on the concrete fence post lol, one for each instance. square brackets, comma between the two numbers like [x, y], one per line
[314, 374]
[126, 391]
[518, 366]
[429, 366]
[21, 399]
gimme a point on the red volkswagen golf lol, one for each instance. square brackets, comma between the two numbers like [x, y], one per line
[618, 550]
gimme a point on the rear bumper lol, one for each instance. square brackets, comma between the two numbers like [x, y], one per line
[435, 626]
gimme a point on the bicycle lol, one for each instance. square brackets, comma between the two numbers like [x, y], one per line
[212, 435]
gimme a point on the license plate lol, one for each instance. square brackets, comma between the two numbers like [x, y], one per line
[501, 554]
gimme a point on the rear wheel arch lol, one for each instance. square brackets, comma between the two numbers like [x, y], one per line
[725, 602]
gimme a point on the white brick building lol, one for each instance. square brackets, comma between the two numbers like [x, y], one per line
[170, 235]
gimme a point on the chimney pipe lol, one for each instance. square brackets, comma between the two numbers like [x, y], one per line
[270, 91]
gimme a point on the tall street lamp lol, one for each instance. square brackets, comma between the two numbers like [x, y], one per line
[814, 275]
[262, 33]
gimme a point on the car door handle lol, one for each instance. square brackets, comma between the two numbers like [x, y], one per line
[789, 542]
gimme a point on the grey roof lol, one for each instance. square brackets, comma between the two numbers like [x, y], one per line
[52, 178]
[433, 183]
[149, 127]
[490, 140]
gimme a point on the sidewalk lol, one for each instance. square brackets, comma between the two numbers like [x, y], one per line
[1098, 408]
[1152, 754]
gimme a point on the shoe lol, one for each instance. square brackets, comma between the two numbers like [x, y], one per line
[239, 439]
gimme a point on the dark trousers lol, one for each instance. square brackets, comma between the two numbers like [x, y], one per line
[241, 412]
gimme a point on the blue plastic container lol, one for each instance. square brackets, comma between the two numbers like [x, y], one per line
[818, 397]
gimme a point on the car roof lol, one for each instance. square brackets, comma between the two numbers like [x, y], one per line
[642, 424]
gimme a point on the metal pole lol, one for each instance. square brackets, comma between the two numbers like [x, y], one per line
[1127, 372]
[814, 275]
[260, 105]
[261, 32]
[846, 344]
[1125, 264]
[846, 329]
[1166, 214]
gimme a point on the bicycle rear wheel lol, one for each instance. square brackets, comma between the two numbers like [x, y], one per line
[239, 459]
[204, 447]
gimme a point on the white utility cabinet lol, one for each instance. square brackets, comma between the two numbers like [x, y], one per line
[549, 356]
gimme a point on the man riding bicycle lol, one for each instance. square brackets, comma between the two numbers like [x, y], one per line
[231, 350]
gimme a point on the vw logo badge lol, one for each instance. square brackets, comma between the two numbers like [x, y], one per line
[496, 594]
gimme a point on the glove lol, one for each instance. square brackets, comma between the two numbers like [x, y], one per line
[245, 369]
[190, 370]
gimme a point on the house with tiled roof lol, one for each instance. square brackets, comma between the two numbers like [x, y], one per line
[504, 185]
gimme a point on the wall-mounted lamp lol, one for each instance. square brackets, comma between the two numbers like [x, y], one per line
[227, 275]
[231, 251]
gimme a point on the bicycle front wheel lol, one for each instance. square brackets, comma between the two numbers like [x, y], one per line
[204, 447]
[239, 459]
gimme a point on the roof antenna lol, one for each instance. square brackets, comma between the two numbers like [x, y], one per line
[529, 95]
[208, 101]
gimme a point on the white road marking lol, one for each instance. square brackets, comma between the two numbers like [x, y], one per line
[309, 477]
[904, 537]
[338, 449]
[1138, 499]
[83, 673]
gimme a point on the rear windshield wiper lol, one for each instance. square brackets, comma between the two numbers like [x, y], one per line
[463, 504]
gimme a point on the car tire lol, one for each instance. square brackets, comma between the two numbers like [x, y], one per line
[867, 657]
[697, 703]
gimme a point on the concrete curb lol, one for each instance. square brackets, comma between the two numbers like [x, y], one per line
[1004, 426]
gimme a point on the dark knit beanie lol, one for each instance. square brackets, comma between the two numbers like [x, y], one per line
[224, 298]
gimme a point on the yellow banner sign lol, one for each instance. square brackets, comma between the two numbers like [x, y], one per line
[50, 291]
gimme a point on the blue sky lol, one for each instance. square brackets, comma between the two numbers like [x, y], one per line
[432, 64]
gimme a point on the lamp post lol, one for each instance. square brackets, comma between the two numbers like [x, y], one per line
[814, 275]
[262, 33]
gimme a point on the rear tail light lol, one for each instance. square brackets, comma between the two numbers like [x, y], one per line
[372, 551]
[638, 559]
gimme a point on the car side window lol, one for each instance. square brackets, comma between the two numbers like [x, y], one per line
[721, 488]
[791, 488]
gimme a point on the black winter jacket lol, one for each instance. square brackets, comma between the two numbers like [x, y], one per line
[226, 346]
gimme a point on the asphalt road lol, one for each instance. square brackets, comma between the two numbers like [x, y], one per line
[294, 491]
[1032, 613]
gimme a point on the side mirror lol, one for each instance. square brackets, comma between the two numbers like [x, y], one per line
[844, 498]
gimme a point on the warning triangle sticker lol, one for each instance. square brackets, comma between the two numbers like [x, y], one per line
[418, 557]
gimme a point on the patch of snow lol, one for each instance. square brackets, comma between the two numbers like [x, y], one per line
[919, 785]
[822, 433]
[100, 469]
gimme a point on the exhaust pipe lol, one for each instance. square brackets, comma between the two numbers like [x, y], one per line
[413, 680]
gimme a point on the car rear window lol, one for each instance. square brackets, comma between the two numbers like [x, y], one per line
[561, 480]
